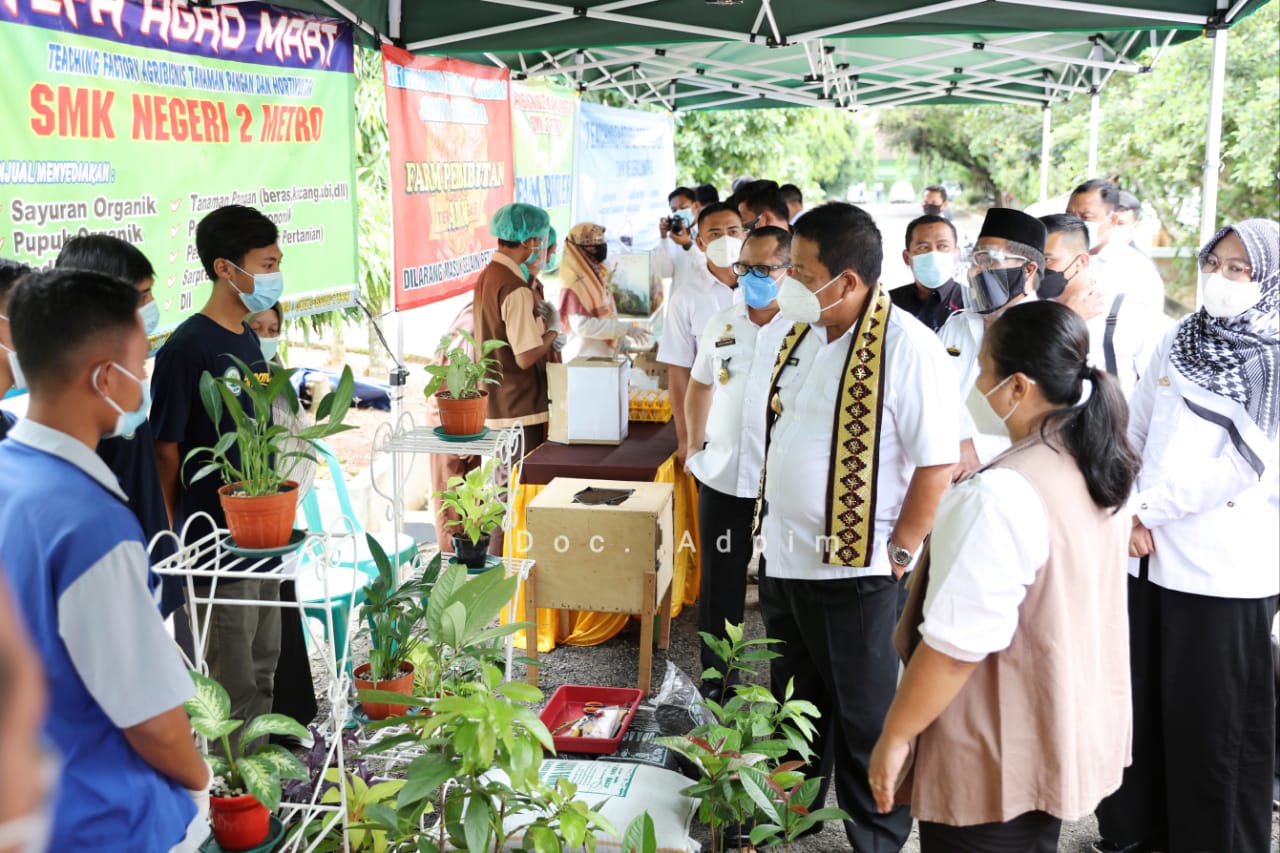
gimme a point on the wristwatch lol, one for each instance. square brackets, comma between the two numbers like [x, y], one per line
[901, 556]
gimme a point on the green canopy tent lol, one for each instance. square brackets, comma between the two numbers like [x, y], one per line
[844, 54]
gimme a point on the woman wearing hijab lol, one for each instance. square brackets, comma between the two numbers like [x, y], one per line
[1205, 576]
[587, 311]
[1014, 706]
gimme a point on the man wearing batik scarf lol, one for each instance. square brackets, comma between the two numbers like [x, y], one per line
[862, 436]
[1204, 584]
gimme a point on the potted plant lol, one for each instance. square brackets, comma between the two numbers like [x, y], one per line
[477, 500]
[259, 499]
[482, 742]
[745, 786]
[393, 614]
[246, 784]
[456, 382]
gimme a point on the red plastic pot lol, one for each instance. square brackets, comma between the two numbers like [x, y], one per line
[260, 522]
[464, 416]
[239, 823]
[402, 684]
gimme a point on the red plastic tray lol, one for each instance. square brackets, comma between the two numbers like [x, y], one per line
[566, 704]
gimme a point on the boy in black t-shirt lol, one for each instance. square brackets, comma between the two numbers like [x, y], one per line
[237, 246]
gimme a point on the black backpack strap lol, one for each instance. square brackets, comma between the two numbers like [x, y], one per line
[1109, 337]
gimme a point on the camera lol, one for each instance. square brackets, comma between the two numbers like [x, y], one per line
[675, 225]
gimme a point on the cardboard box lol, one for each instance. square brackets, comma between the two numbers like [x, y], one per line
[615, 559]
[649, 364]
[590, 401]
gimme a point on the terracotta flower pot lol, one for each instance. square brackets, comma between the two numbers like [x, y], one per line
[402, 684]
[260, 522]
[239, 823]
[465, 416]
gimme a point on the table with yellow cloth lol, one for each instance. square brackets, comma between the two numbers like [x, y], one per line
[648, 455]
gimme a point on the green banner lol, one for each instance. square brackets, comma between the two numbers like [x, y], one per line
[542, 116]
[138, 119]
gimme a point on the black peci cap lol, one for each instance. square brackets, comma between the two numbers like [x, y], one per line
[1010, 224]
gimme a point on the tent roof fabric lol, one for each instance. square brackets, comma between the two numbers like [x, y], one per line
[711, 54]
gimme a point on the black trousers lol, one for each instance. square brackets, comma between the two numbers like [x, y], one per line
[1204, 725]
[295, 694]
[724, 529]
[1033, 832]
[837, 645]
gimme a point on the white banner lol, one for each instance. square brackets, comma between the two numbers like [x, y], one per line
[624, 166]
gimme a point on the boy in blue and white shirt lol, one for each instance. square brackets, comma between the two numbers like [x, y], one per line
[74, 556]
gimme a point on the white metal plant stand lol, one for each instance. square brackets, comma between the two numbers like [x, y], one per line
[205, 563]
[402, 440]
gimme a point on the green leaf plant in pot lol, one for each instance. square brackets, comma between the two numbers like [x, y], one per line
[457, 383]
[394, 615]
[481, 741]
[478, 502]
[246, 784]
[256, 460]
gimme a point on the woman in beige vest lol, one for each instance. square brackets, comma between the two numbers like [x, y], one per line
[1013, 712]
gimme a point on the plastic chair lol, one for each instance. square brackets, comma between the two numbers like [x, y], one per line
[346, 592]
[354, 554]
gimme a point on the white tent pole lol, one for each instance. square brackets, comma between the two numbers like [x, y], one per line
[1044, 153]
[1095, 107]
[1213, 137]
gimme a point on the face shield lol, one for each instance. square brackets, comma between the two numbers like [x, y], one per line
[992, 282]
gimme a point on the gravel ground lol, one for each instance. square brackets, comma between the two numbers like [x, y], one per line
[614, 664]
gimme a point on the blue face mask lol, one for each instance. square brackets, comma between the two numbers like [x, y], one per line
[270, 346]
[758, 290]
[267, 287]
[150, 314]
[128, 422]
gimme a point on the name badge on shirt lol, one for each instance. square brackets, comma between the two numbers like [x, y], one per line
[1164, 382]
[726, 339]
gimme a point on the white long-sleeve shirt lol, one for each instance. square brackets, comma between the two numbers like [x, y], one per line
[1215, 524]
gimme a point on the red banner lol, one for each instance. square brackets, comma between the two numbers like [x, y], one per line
[449, 123]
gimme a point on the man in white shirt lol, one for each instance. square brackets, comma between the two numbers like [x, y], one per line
[795, 201]
[726, 406]
[860, 446]
[712, 288]
[761, 203]
[1005, 268]
[1121, 338]
[676, 231]
[1117, 266]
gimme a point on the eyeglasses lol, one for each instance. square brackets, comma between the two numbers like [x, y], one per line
[990, 259]
[740, 268]
[1233, 269]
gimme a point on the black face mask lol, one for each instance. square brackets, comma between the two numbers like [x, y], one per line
[932, 210]
[599, 252]
[1053, 283]
[991, 290]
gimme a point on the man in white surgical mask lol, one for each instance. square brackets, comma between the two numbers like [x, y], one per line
[713, 286]
[1116, 267]
[860, 440]
[933, 255]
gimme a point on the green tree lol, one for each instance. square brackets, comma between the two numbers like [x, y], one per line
[816, 149]
[1151, 136]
